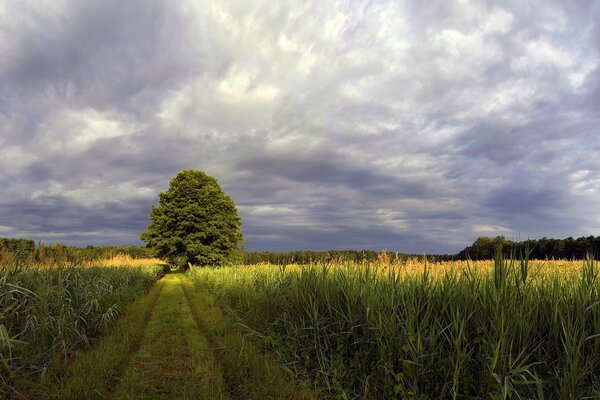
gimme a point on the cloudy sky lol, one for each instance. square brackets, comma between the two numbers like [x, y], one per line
[406, 125]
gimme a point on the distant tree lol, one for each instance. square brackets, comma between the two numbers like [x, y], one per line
[482, 248]
[195, 222]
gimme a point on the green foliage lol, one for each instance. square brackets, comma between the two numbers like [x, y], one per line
[485, 247]
[309, 256]
[306, 257]
[20, 248]
[96, 372]
[195, 222]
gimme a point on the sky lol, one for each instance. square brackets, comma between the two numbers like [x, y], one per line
[401, 125]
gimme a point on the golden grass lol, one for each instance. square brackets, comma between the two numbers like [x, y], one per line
[124, 260]
[8, 259]
[413, 267]
[538, 269]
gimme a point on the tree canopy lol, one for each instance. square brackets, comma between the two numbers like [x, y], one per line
[569, 248]
[194, 222]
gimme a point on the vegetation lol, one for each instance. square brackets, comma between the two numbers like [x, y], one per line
[174, 343]
[371, 331]
[26, 252]
[545, 248]
[482, 249]
[355, 324]
[47, 314]
[195, 222]
[98, 371]
[307, 257]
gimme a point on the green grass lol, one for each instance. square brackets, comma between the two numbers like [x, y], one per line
[172, 343]
[46, 316]
[248, 373]
[353, 332]
[96, 373]
[359, 334]
[175, 360]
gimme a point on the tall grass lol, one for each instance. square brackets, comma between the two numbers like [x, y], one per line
[363, 331]
[123, 260]
[46, 314]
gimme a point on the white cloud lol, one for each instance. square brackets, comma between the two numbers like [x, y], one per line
[542, 53]
[13, 159]
[95, 193]
[71, 130]
[240, 86]
[498, 21]
[491, 230]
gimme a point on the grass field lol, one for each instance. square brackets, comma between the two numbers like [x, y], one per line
[485, 330]
[49, 313]
[174, 343]
[497, 329]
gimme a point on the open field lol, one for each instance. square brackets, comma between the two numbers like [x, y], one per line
[173, 343]
[489, 329]
[452, 330]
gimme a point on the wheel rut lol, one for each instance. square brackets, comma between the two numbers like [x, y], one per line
[137, 342]
[175, 343]
[174, 359]
[230, 386]
[249, 373]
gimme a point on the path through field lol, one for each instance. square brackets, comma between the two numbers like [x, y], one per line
[174, 343]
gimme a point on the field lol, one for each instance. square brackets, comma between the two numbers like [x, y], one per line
[62, 338]
[48, 313]
[496, 329]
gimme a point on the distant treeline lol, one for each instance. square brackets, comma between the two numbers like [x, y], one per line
[483, 248]
[308, 256]
[545, 248]
[22, 250]
[305, 257]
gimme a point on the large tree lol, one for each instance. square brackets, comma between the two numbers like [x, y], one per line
[195, 222]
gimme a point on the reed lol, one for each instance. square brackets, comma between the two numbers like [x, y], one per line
[47, 314]
[500, 329]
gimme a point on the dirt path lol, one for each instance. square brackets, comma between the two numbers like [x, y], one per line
[174, 343]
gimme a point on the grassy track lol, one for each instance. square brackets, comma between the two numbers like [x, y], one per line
[248, 373]
[174, 343]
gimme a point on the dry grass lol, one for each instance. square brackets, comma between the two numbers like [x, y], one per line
[124, 260]
[538, 270]
[42, 262]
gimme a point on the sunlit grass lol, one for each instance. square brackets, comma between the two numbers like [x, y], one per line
[482, 329]
[538, 270]
[124, 260]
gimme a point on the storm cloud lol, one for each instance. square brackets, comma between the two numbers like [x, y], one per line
[408, 126]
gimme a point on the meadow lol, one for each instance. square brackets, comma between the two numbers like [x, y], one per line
[498, 329]
[49, 311]
[392, 328]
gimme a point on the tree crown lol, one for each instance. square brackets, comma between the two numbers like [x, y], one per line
[194, 222]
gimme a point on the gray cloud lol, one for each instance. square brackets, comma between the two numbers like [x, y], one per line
[373, 124]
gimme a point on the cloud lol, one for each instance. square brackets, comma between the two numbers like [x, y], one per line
[372, 124]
